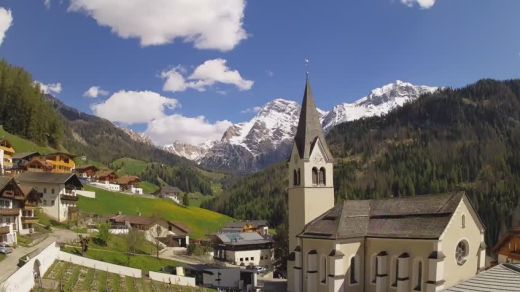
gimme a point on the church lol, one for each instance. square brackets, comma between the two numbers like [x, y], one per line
[422, 243]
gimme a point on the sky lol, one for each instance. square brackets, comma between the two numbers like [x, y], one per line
[185, 70]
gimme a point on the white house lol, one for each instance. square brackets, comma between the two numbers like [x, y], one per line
[59, 192]
[244, 249]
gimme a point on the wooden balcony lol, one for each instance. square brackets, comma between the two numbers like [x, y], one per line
[10, 212]
[69, 198]
[29, 220]
[4, 230]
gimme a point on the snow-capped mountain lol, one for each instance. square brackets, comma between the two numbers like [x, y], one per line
[379, 102]
[189, 151]
[267, 138]
[138, 137]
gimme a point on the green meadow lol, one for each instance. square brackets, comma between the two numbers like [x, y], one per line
[199, 221]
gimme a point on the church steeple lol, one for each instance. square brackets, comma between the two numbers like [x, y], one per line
[309, 127]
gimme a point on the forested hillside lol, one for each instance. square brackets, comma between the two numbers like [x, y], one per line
[465, 139]
[24, 111]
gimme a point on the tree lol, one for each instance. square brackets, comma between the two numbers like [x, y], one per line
[134, 239]
[156, 233]
[185, 200]
[104, 233]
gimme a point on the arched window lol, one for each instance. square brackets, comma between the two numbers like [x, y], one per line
[374, 263]
[323, 269]
[396, 271]
[353, 270]
[463, 223]
[314, 176]
[322, 177]
[418, 277]
[295, 177]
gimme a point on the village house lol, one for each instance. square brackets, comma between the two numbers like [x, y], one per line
[421, 243]
[243, 249]
[21, 160]
[17, 209]
[87, 172]
[6, 156]
[168, 233]
[59, 192]
[508, 247]
[130, 183]
[172, 193]
[259, 226]
[225, 278]
[61, 162]
[106, 179]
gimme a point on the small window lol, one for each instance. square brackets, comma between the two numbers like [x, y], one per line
[252, 258]
[295, 177]
[323, 270]
[322, 178]
[52, 191]
[247, 259]
[463, 219]
[314, 176]
[353, 271]
[396, 272]
[45, 190]
[418, 278]
[374, 268]
[52, 202]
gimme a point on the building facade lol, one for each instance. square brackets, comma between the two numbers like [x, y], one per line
[508, 247]
[59, 198]
[243, 249]
[6, 156]
[422, 243]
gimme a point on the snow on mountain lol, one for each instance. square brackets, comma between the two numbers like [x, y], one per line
[138, 137]
[191, 152]
[379, 102]
[267, 138]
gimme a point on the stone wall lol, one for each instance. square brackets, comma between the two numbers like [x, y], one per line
[99, 265]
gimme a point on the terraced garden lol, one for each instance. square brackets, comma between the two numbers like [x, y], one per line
[64, 276]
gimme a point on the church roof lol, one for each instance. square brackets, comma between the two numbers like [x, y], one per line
[309, 127]
[423, 217]
[504, 277]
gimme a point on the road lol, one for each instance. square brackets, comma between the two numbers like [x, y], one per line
[9, 265]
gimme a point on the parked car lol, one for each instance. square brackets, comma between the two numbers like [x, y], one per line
[260, 270]
[5, 248]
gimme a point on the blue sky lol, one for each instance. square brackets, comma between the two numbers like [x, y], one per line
[353, 47]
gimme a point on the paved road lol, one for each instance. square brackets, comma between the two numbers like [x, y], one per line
[9, 265]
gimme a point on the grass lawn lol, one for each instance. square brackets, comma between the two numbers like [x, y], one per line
[148, 187]
[2, 256]
[199, 221]
[142, 261]
[44, 219]
[24, 145]
[129, 166]
[196, 199]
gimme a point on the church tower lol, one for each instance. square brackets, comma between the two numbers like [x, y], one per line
[311, 188]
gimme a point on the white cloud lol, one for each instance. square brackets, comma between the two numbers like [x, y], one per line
[134, 107]
[191, 130]
[251, 110]
[47, 3]
[269, 73]
[6, 20]
[424, 4]
[50, 88]
[208, 24]
[95, 91]
[205, 75]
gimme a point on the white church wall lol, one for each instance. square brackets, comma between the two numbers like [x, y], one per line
[454, 233]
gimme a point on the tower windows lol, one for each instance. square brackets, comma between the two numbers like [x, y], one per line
[296, 177]
[322, 178]
[353, 270]
[323, 270]
[314, 176]
[463, 219]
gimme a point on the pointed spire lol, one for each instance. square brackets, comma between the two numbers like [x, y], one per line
[309, 126]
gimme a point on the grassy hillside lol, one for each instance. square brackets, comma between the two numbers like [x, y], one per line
[199, 221]
[129, 166]
[24, 145]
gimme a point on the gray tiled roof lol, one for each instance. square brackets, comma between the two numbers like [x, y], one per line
[242, 238]
[411, 217]
[48, 177]
[309, 127]
[501, 278]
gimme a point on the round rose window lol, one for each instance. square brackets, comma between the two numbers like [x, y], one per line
[461, 252]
